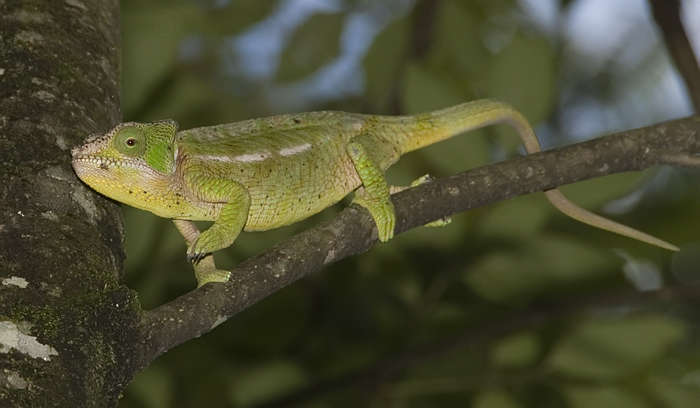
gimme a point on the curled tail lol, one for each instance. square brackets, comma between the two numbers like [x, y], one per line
[435, 126]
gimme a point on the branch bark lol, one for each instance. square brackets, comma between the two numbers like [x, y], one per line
[352, 231]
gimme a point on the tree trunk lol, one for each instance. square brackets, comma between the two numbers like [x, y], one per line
[66, 322]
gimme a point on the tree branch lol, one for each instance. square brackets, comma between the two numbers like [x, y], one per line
[667, 16]
[352, 231]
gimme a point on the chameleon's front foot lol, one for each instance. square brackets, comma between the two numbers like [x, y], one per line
[203, 262]
[205, 271]
[206, 243]
[196, 252]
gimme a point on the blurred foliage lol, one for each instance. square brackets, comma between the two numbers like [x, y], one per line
[205, 62]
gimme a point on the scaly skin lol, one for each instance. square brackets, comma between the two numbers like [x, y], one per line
[265, 173]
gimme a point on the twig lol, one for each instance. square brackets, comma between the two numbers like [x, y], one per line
[423, 28]
[681, 160]
[667, 16]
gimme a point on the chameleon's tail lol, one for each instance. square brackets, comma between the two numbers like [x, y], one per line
[429, 128]
[435, 126]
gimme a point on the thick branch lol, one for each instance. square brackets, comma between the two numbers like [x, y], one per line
[352, 231]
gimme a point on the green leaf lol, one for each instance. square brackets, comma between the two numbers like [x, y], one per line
[272, 324]
[599, 191]
[587, 397]
[314, 44]
[544, 263]
[520, 218]
[152, 387]
[458, 43]
[237, 17]
[518, 350]
[494, 399]
[523, 75]
[265, 381]
[150, 46]
[677, 395]
[186, 96]
[383, 62]
[425, 90]
[611, 349]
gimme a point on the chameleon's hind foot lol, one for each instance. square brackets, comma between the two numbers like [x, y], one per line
[207, 242]
[427, 178]
[374, 195]
[383, 214]
[205, 271]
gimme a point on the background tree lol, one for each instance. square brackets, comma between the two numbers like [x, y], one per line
[511, 306]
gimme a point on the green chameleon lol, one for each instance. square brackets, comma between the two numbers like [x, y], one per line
[265, 173]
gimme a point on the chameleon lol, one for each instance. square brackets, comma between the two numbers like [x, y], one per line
[260, 174]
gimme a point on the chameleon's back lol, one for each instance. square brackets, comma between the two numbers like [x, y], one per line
[293, 166]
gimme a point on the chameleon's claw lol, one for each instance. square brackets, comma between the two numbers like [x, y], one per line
[195, 252]
[195, 256]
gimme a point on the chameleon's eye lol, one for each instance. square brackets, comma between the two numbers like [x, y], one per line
[130, 141]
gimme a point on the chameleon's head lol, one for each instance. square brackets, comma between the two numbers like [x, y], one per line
[128, 160]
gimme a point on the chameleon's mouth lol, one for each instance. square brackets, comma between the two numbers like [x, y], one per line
[90, 165]
[104, 163]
